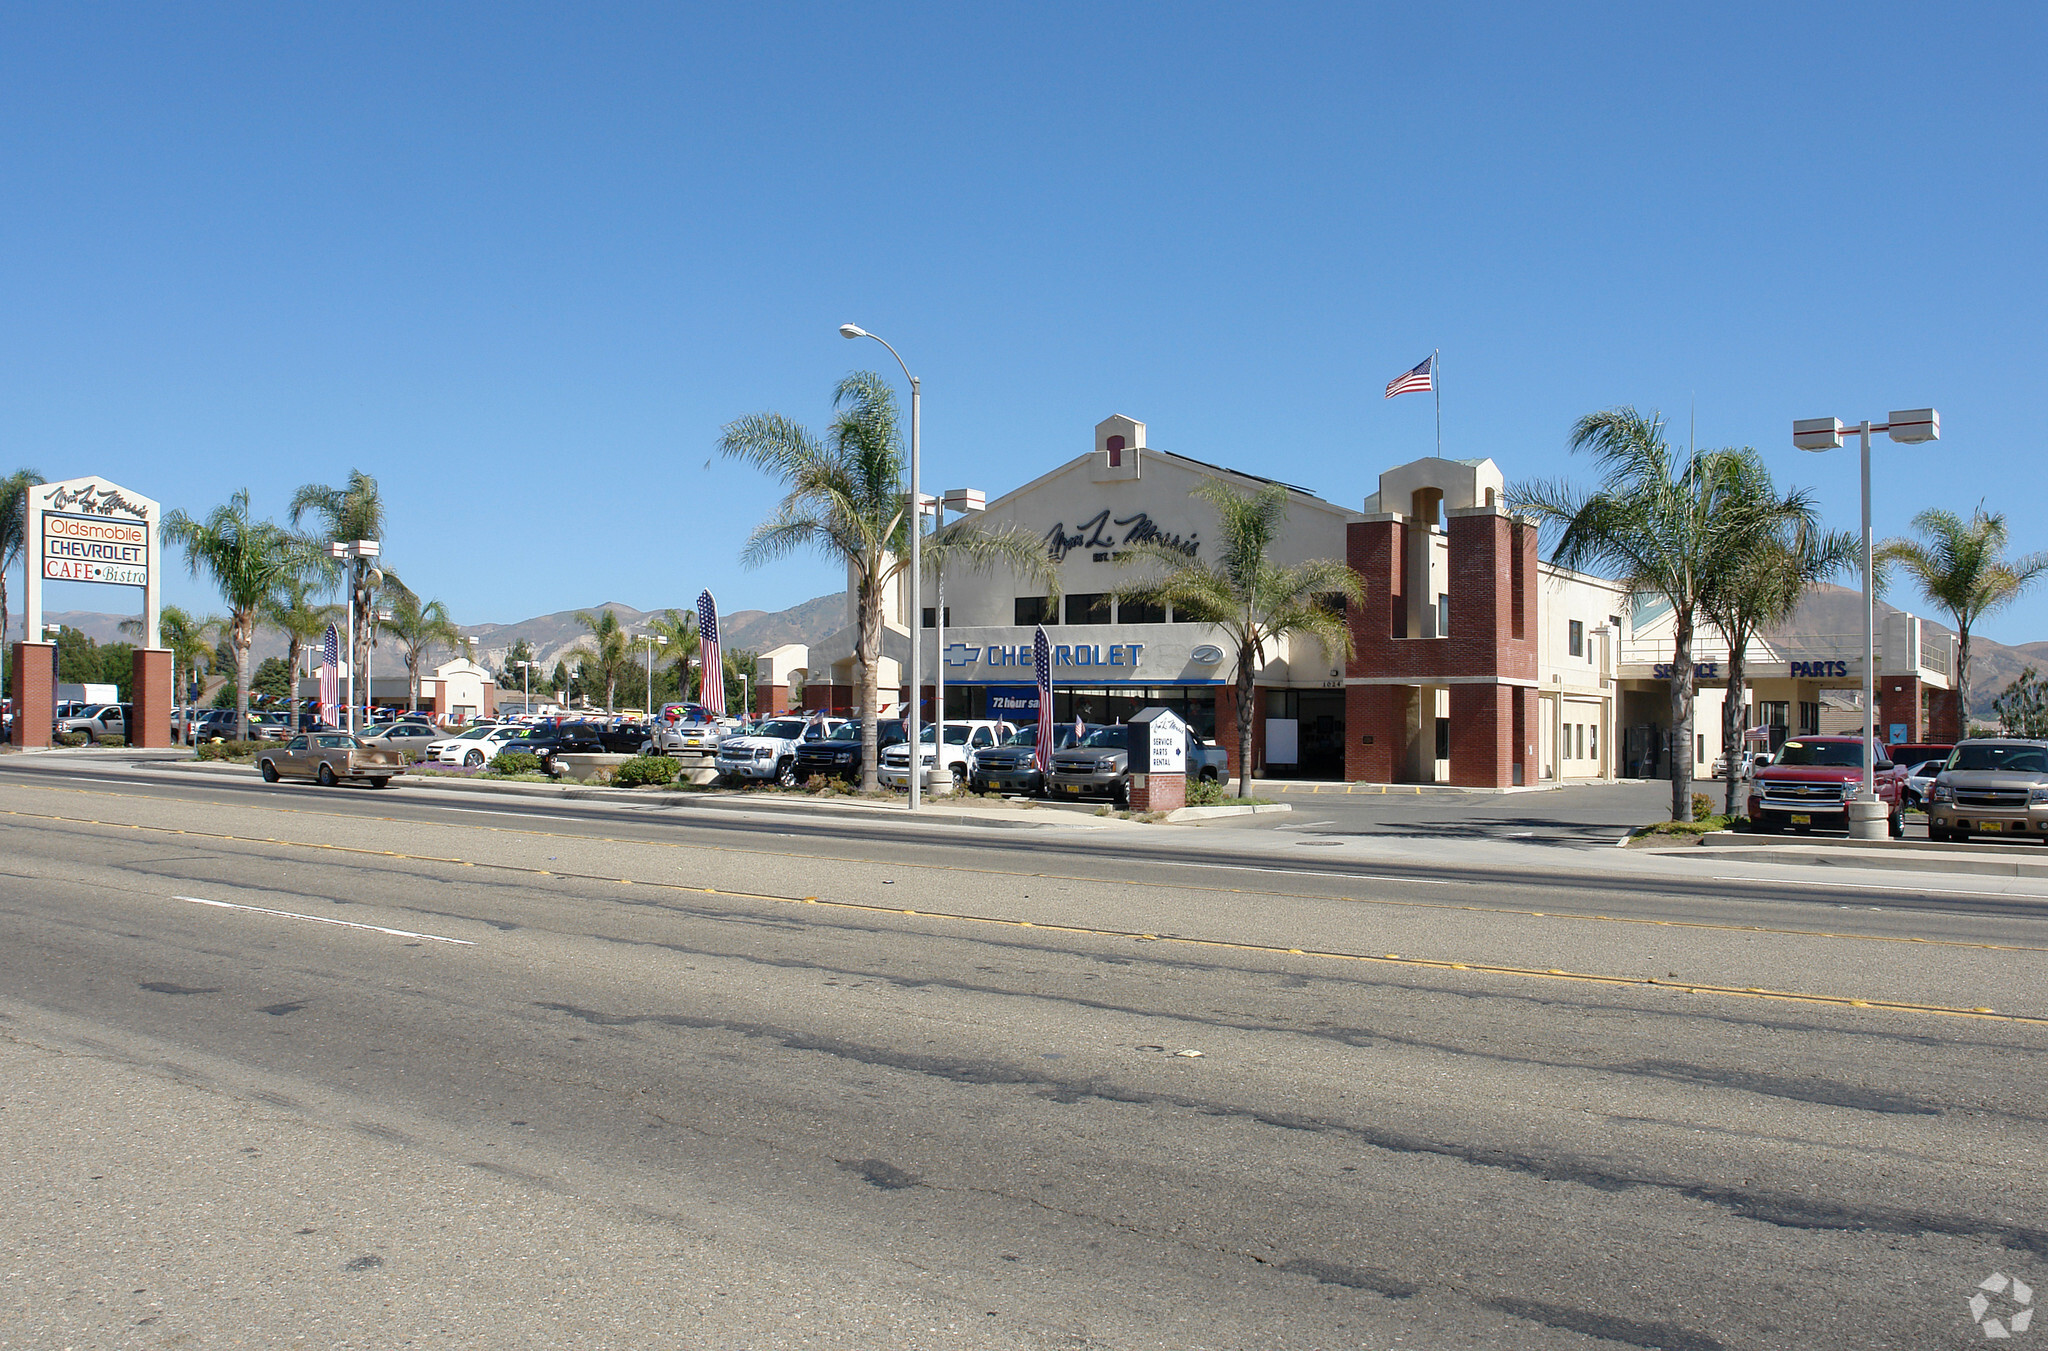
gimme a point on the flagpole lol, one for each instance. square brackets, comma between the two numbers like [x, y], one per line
[1436, 385]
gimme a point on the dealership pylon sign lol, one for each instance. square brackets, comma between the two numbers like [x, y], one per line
[90, 530]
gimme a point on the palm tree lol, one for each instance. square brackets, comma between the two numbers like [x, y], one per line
[608, 656]
[1764, 588]
[1961, 567]
[1251, 598]
[292, 611]
[353, 511]
[680, 628]
[846, 499]
[418, 626]
[248, 560]
[1671, 525]
[13, 530]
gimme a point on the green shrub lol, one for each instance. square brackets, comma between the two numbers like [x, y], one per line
[1702, 806]
[508, 763]
[240, 752]
[1208, 793]
[643, 770]
[109, 739]
[70, 739]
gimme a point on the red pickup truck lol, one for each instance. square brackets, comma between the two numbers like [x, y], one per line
[1811, 781]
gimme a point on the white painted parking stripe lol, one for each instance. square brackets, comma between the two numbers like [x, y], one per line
[322, 919]
[1298, 872]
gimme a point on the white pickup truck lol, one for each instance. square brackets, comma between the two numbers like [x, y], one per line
[769, 751]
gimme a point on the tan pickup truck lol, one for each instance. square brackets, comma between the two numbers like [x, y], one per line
[329, 757]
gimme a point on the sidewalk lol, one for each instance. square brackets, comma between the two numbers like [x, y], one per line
[1980, 860]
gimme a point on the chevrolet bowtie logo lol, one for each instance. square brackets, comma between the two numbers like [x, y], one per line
[960, 654]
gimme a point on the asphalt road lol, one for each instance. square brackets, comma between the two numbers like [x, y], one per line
[347, 1068]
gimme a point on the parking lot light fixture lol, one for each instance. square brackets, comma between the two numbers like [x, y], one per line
[653, 641]
[916, 529]
[353, 552]
[1911, 426]
[965, 501]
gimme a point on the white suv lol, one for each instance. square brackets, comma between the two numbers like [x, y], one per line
[962, 738]
[769, 751]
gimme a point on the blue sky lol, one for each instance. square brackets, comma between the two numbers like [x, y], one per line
[521, 262]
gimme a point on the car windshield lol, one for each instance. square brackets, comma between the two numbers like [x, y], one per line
[956, 735]
[783, 729]
[1925, 770]
[1023, 736]
[2012, 759]
[1111, 738]
[340, 742]
[1822, 754]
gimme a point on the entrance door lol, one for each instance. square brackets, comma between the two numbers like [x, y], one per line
[1319, 724]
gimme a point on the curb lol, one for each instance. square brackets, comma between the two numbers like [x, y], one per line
[1180, 814]
[1897, 858]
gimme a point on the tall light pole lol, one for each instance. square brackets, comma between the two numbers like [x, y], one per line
[354, 552]
[370, 665]
[652, 641]
[916, 592]
[1911, 426]
[526, 670]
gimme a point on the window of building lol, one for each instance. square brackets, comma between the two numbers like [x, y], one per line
[1809, 718]
[1443, 738]
[1582, 742]
[931, 616]
[1037, 610]
[1575, 638]
[1115, 446]
[1085, 607]
[1140, 612]
[1593, 742]
[1699, 756]
[1443, 615]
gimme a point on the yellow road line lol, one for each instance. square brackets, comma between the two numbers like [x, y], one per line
[1091, 931]
[1389, 902]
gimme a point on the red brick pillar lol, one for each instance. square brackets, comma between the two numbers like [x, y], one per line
[153, 697]
[1482, 728]
[35, 693]
[1375, 733]
[1944, 716]
[1158, 792]
[1898, 700]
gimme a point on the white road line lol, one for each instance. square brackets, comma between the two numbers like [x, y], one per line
[1304, 825]
[322, 919]
[1294, 872]
[496, 811]
[1879, 886]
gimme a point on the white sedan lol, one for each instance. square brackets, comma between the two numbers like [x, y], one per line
[474, 748]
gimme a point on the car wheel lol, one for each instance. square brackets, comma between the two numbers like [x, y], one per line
[1122, 795]
[381, 781]
[473, 760]
[326, 775]
[1911, 801]
[269, 772]
[1208, 776]
[785, 774]
[1897, 825]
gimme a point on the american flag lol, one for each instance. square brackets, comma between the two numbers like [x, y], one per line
[1041, 664]
[1080, 728]
[1415, 381]
[330, 674]
[712, 695]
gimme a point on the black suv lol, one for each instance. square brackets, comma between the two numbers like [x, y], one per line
[838, 756]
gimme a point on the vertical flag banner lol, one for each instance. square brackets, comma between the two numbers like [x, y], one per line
[330, 674]
[712, 694]
[1041, 666]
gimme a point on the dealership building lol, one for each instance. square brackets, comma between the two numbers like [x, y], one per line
[1474, 662]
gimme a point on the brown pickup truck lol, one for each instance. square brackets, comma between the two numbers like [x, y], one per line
[329, 757]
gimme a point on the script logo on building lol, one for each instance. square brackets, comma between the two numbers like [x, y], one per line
[2002, 1305]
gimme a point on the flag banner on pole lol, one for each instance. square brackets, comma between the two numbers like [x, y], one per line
[712, 694]
[330, 674]
[1041, 666]
[1415, 381]
[1757, 734]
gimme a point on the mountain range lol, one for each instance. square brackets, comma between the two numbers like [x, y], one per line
[1826, 610]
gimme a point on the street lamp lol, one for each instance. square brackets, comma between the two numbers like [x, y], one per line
[354, 552]
[916, 592]
[1910, 426]
[370, 665]
[526, 670]
[653, 640]
[964, 501]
